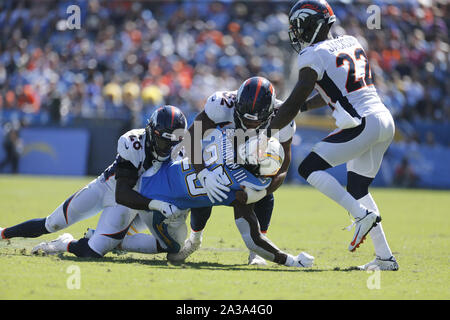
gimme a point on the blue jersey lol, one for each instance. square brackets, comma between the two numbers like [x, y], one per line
[176, 182]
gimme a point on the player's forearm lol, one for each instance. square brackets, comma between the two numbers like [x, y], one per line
[289, 109]
[287, 112]
[277, 181]
[313, 103]
[130, 198]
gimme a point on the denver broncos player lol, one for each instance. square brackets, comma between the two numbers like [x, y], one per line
[113, 191]
[177, 183]
[250, 108]
[339, 70]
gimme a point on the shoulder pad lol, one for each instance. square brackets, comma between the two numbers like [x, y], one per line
[131, 145]
[219, 107]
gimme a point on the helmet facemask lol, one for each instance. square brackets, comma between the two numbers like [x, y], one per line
[248, 121]
[164, 133]
[163, 143]
[302, 34]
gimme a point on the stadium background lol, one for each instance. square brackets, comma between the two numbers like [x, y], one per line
[71, 93]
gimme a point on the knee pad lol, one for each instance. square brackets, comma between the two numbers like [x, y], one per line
[357, 185]
[313, 162]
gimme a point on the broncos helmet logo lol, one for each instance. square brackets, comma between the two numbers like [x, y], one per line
[302, 14]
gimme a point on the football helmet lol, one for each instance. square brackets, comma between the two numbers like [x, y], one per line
[255, 102]
[161, 131]
[306, 18]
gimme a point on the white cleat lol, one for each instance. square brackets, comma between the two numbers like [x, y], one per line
[56, 246]
[255, 260]
[381, 264]
[1, 234]
[362, 228]
[190, 246]
[304, 260]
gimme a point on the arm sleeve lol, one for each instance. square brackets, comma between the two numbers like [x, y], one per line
[125, 169]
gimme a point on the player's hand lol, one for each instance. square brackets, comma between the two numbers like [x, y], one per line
[213, 184]
[167, 209]
[252, 194]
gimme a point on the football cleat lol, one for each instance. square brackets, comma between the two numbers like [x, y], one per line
[381, 264]
[190, 246]
[56, 246]
[255, 260]
[1, 233]
[304, 260]
[362, 228]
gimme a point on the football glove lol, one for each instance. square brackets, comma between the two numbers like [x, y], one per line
[213, 184]
[252, 194]
[167, 209]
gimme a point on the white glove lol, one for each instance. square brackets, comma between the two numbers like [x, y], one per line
[252, 194]
[213, 184]
[167, 209]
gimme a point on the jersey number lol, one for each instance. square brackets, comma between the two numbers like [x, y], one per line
[136, 144]
[196, 190]
[228, 100]
[352, 83]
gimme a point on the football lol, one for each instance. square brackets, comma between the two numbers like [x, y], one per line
[270, 156]
[266, 153]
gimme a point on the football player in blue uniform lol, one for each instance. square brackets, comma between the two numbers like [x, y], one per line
[177, 183]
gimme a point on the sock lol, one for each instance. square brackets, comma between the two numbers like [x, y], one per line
[196, 235]
[81, 249]
[330, 187]
[380, 244]
[290, 260]
[140, 242]
[28, 229]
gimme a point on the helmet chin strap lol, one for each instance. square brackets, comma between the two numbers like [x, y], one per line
[159, 158]
[307, 44]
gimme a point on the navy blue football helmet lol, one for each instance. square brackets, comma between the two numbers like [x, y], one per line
[160, 130]
[306, 18]
[255, 103]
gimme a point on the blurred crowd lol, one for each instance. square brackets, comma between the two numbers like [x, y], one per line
[129, 57]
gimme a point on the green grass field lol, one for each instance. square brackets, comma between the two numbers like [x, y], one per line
[415, 222]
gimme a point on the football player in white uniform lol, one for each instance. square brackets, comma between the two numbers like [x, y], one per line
[113, 191]
[339, 70]
[250, 109]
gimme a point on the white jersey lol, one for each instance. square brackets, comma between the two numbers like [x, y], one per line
[344, 79]
[219, 107]
[130, 147]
